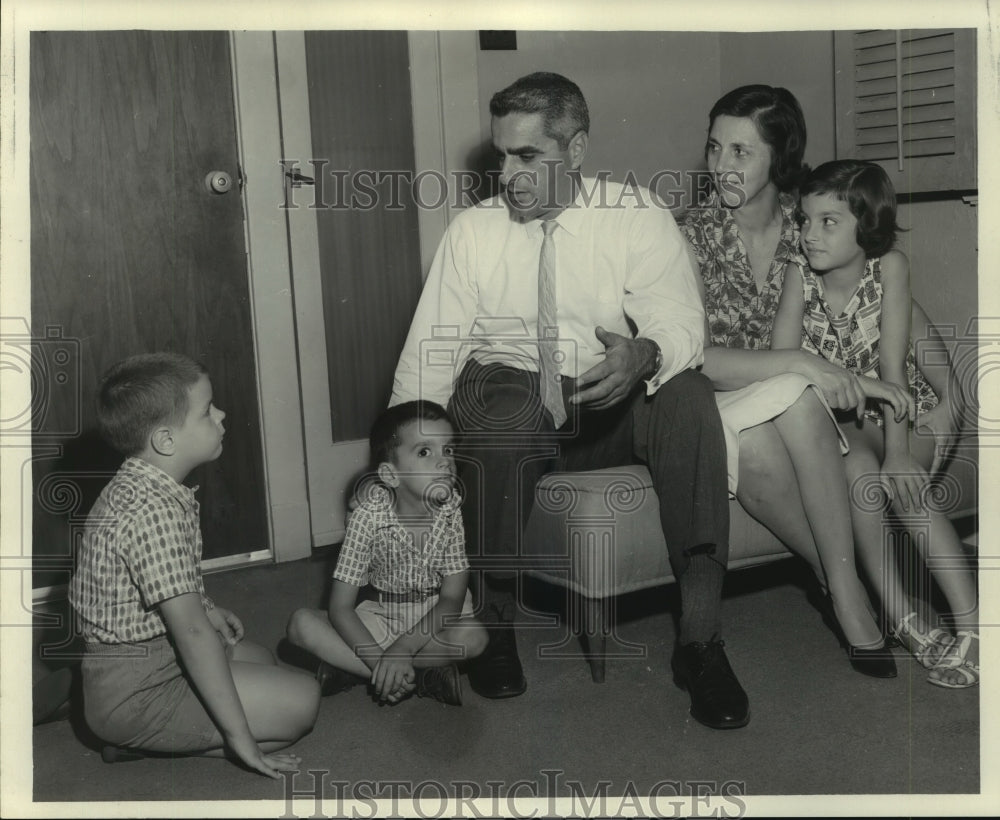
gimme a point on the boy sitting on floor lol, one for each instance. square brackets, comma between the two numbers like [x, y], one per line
[164, 669]
[406, 540]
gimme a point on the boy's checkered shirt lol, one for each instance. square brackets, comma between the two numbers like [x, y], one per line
[378, 550]
[141, 546]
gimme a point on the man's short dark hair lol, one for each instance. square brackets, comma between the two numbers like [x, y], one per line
[384, 437]
[779, 120]
[559, 101]
[868, 192]
[142, 392]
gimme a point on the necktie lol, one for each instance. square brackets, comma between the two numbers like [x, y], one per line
[549, 359]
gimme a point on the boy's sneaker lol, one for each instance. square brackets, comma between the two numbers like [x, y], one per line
[441, 683]
[333, 680]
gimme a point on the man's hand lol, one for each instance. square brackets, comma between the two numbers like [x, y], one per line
[626, 361]
[226, 624]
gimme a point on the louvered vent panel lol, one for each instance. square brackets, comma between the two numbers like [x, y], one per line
[924, 70]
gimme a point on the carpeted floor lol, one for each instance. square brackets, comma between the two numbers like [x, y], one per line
[817, 726]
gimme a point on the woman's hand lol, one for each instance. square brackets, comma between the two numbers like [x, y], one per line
[247, 750]
[841, 388]
[905, 480]
[226, 624]
[902, 402]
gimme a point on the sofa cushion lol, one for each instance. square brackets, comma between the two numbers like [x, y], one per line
[598, 533]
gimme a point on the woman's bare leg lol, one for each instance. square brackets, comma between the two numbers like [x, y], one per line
[769, 491]
[814, 449]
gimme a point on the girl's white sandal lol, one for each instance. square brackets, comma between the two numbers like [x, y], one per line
[927, 647]
[955, 659]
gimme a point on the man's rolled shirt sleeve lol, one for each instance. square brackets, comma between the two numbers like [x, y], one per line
[433, 354]
[661, 294]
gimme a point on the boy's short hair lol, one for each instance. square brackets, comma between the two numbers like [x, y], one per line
[780, 123]
[140, 393]
[868, 192]
[559, 101]
[384, 438]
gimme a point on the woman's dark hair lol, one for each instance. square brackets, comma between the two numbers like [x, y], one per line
[779, 120]
[384, 437]
[869, 194]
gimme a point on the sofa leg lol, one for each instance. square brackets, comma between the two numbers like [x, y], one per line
[595, 631]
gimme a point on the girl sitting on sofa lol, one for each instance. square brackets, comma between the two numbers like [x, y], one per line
[851, 306]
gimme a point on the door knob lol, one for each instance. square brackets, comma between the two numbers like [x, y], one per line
[218, 182]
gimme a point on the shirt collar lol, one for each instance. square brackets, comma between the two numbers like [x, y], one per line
[570, 219]
[382, 498]
[160, 480]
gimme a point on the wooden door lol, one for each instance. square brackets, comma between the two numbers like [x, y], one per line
[132, 252]
[355, 245]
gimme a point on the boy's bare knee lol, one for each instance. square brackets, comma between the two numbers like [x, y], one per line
[475, 640]
[298, 626]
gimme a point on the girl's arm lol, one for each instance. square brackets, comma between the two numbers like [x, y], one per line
[907, 477]
[204, 659]
[936, 364]
[787, 331]
[944, 422]
[731, 368]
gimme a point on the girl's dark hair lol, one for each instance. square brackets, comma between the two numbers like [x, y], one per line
[559, 101]
[141, 393]
[384, 437]
[869, 194]
[778, 118]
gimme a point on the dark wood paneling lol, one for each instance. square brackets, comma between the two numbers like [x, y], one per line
[360, 108]
[131, 253]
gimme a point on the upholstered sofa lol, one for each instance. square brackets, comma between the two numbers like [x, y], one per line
[598, 534]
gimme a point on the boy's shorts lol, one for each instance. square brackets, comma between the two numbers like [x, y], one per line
[135, 695]
[390, 619]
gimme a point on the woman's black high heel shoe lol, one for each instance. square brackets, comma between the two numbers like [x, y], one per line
[877, 662]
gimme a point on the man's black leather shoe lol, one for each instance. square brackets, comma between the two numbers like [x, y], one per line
[717, 699]
[497, 673]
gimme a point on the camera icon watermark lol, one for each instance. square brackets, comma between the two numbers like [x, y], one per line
[975, 364]
[49, 363]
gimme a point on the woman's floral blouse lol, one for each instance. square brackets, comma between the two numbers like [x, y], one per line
[739, 315]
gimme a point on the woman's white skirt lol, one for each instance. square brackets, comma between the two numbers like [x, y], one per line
[757, 403]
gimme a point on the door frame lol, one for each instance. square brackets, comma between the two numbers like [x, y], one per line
[259, 143]
[443, 66]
